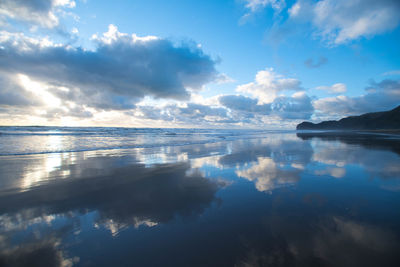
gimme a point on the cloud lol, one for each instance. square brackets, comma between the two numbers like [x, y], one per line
[243, 103]
[12, 93]
[336, 22]
[77, 112]
[336, 88]
[297, 106]
[269, 100]
[393, 72]
[224, 78]
[118, 73]
[39, 12]
[189, 114]
[380, 96]
[339, 22]
[200, 111]
[256, 5]
[310, 63]
[268, 84]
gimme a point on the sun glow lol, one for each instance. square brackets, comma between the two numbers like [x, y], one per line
[39, 89]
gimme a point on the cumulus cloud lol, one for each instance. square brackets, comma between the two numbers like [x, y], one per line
[312, 64]
[12, 93]
[341, 21]
[297, 106]
[39, 12]
[231, 109]
[118, 73]
[188, 114]
[379, 96]
[268, 84]
[200, 111]
[336, 88]
[243, 103]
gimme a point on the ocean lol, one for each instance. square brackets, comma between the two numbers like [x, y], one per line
[17, 140]
[88, 196]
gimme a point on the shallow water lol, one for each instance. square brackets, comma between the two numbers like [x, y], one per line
[217, 198]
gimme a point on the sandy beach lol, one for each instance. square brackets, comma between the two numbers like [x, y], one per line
[281, 199]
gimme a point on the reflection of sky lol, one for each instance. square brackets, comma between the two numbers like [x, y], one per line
[184, 191]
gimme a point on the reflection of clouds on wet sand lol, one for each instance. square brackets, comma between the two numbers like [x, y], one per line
[130, 195]
[350, 243]
[332, 171]
[376, 163]
[333, 241]
[38, 248]
[152, 192]
[41, 253]
[266, 175]
[207, 161]
[115, 227]
[272, 162]
[377, 155]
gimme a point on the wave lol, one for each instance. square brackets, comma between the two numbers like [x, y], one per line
[28, 140]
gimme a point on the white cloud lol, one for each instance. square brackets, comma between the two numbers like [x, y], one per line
[297, 106]
[336, 88]
[379, 96]
[75, 31]
[255, 5]
[118, 73]
[39, 12]
[341, 21]
[268, 84]
[295, 9]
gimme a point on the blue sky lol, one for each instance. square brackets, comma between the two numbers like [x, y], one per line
[244, 63]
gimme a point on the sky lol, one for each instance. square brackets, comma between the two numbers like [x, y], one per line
[267, 64]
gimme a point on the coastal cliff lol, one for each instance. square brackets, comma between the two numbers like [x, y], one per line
[386, 120]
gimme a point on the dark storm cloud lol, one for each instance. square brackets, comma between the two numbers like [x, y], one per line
[312, 64]
[380, 96]
[122, 70]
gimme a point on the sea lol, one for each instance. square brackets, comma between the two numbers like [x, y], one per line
[107, 196]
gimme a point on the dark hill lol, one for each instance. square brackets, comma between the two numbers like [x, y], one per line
[386, 120]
